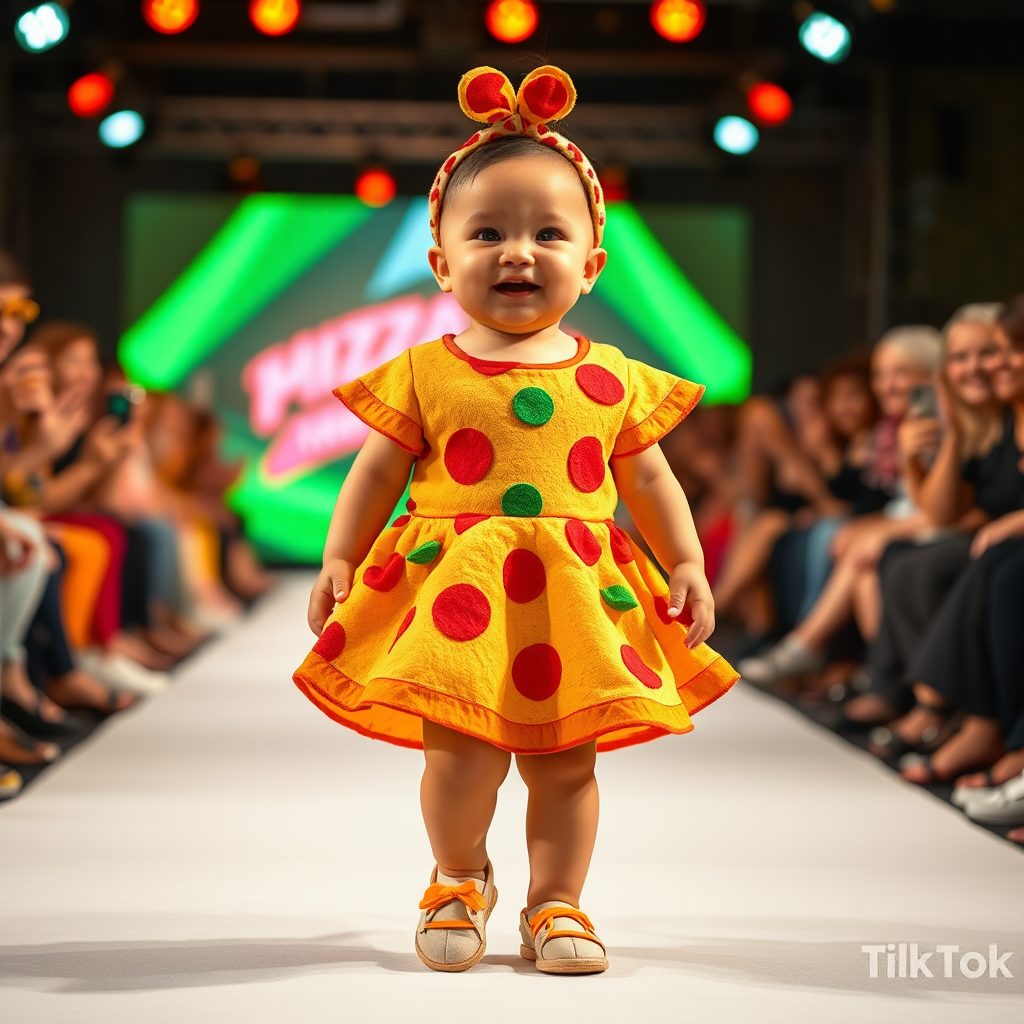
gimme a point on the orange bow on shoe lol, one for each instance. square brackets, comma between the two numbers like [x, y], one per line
[437, 895]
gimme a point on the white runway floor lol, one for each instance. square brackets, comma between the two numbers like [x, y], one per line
[229, 854]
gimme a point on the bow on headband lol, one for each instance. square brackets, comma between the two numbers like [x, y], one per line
[546, 94]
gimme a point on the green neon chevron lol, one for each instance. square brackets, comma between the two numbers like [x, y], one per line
[267, 243]
[646, 289]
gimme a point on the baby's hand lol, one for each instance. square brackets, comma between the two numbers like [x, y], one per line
[332, 586]
[689, 587]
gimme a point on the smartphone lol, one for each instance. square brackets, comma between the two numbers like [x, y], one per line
[924, 405]
[119, 405]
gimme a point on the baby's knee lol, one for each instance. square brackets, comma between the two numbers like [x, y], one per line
[569, 769]
[467, 771]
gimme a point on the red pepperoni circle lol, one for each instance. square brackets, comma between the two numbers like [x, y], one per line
[410, 505]
[331, 642]
[464, 520]
[582, 540]
[484, 93]
[406, 623]
[586, 464]
[545, 96]
[401, 520]
[385, 577]
[537, 671]
[523, 575]
[636, 665]
[468, 455]
[461, 611]
[599, 384]
[621, 550]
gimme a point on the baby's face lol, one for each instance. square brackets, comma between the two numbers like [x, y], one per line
[517, 244]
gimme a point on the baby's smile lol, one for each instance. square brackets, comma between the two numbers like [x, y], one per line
[516, 286]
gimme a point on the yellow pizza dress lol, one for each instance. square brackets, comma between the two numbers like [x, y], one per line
[506, 604]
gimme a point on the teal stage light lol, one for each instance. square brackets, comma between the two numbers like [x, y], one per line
[41, 28]
[121, 129]
[825, 38]
[736, 135]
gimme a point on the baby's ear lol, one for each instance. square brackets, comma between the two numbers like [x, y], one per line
[596, 261]
[439, 266]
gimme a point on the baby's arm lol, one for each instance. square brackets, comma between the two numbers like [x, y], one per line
[661, 512]
[367, 498]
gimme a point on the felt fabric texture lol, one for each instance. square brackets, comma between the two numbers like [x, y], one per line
[546, 94]
[533, 630]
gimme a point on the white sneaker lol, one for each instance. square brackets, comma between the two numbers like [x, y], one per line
[121, 673]
[789, 657]
[967, 796]
[1005, 807]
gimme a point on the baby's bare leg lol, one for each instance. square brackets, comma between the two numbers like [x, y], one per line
[458, 794]
[561, 821]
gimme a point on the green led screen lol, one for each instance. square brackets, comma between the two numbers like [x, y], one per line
[272, 300]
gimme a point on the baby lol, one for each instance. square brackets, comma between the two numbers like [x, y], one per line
[506, 613]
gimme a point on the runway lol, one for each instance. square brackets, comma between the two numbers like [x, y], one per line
[226, 853]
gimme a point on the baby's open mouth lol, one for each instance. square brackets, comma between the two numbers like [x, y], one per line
[515, 287]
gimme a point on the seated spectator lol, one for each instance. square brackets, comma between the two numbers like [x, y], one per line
[952, 669]
[904, 358]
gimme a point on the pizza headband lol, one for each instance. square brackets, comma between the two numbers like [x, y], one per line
[546, 94]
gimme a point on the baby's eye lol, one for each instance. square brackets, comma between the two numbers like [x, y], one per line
[488, 235]
[548, 235]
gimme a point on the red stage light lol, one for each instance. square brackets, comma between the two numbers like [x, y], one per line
[170, 16]
[678, 21]
[511, 21]
[769, 103]
[90, 95]
[275, 17]
[375, 187]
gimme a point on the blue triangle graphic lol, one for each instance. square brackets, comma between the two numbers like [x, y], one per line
[404, 262]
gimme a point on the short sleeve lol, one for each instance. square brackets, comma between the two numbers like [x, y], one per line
[657, 401]
[385, 399]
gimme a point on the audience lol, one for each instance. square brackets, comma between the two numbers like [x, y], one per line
[103, 583]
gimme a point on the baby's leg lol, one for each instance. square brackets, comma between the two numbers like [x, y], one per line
[458, 795]
[561, 822]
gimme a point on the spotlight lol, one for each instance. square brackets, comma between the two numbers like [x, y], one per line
[511, 21]
[41, 28]
[275, 17]
[824, 37]
[122, 129]
[375, 187]
[736, 135]
[91, 94]
[769, 103]
[678, 21]
[170, 16]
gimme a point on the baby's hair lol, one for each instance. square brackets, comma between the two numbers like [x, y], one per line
[508, 148]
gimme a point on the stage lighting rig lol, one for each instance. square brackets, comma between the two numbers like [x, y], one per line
[275, 17]
[678, 21]
[91, 94]
[736, 135]
[41, 28]
[122, 129]
[511, 21]
[825, 37]
[769, 103]
[169, 17]
[376, 187]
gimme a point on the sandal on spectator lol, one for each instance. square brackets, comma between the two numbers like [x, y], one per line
[789, 657]
[886, 743]
[561, 940]
[78, 691]
[10, 782]
[451, 935]
[33, 722]
[17, 748]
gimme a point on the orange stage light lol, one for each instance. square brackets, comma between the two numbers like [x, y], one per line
[375, 187]
[170, 16]
[90, 95]
[275, 17]
[511, 21]
[678, 21]
[769, 103]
